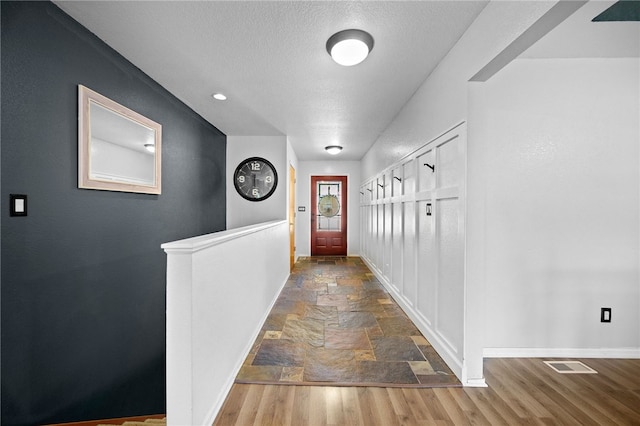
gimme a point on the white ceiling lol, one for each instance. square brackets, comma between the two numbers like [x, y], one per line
[269, 58]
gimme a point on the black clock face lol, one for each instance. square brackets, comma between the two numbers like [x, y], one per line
[255, 179]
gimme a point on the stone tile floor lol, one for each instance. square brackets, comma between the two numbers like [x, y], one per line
[334, 323]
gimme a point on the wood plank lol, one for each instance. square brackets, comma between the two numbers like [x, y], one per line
[116, 421]
[283, 408]
[566, 390]
[384, 408]
[300, 412]
[251, 404]
[317, 406]
[451, 407]
[435, 407]
[622, 372]
[232, 406]
[521, 391]
[559, 408]
[367, 404]
[468, 407]
[266, 409]
[495, 409]
[584, 399]
[335, 407]
[400, 405]
[419, 410]
[351, 405]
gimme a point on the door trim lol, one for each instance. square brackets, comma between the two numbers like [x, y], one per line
[343, 206]
[292, 217]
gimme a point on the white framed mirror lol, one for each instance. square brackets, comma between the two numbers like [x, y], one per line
[118, 149]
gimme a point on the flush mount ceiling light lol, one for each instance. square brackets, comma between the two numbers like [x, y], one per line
[350, 47]
[333, 149]
[219, 96]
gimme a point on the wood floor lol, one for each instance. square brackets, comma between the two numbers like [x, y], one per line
[520, 392]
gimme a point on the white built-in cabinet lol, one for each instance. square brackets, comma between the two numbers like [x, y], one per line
[413, 234]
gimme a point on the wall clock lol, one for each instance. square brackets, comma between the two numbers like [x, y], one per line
[255, 179]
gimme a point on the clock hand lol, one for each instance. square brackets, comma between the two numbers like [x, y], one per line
[255, 178]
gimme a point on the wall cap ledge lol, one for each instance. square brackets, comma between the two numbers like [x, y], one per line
[194, 244]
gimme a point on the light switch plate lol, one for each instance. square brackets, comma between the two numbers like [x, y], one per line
[18, 205]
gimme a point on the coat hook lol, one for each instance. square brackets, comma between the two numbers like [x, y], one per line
[397, 178]
[433, 168]
[361, 193]
[369, 189]
[380, 185]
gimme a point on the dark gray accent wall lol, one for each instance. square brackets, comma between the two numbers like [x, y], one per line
[83, 275]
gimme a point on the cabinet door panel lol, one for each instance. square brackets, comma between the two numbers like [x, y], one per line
[426, 262]
[409, 273]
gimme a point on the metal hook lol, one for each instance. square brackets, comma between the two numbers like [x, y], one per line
[397, 178]
[380, 185]
[368, 189]
[433, 168]
[361, 193]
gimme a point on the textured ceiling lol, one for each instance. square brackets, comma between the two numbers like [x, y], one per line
[269, 58]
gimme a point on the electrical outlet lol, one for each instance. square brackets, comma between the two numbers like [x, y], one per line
[18, 204]
[605, 314]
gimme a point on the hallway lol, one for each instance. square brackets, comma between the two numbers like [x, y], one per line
[328, 328]
[334, 323]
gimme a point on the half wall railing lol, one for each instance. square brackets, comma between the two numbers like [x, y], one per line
[220, 289]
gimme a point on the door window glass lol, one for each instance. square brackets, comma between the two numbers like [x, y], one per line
[328, 199]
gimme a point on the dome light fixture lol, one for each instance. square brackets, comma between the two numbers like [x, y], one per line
[219, 97]
[150, 147]
[350, 47]
[333, 149]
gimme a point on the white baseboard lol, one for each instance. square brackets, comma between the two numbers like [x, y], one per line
[624, 353]
[475, 383]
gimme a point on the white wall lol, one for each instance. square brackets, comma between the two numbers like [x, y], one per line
[559, 138]
[241, 212]
[306, 169]
[441, 102]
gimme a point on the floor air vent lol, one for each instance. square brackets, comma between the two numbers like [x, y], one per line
[570, 367]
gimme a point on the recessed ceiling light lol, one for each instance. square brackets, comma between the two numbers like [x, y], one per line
[350, 47]
[219, 96]
[333, 149]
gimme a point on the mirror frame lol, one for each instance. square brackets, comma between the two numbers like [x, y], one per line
[85, 97]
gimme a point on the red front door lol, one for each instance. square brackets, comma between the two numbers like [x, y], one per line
[328, 215]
